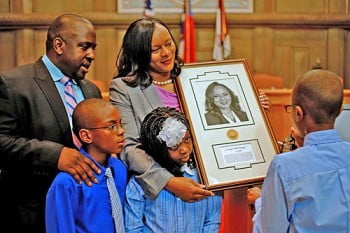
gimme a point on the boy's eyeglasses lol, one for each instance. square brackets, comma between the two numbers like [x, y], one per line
[113, 127]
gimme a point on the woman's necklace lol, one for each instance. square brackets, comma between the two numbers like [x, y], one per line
[162, 83]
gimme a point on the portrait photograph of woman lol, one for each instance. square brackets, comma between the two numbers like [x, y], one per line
[222, 105]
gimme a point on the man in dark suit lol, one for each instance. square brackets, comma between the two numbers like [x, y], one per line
[35, 130]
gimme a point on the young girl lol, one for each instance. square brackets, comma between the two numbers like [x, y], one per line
[165, 137]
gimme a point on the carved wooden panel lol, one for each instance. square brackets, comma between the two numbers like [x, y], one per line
[296, 51]
[242, 41]
[7, 47]
[44, 6]
[4, 6]
[301, 6]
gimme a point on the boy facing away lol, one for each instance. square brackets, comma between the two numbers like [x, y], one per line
[308, 189]
[73, 207]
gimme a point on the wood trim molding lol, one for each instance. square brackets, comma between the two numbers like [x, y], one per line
[114, 20]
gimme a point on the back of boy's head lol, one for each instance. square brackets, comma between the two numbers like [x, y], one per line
[88, 112]
[320, 94]
[150, 128]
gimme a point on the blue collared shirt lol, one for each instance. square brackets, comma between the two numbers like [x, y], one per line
[168, 213]
[308, 190]
[56, 75]
[73, 207]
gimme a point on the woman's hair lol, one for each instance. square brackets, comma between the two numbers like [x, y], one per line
[211, 107]
[135, 54]
[157, 149]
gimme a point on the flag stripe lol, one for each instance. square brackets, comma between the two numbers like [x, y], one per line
[188, 38]
[222, 43]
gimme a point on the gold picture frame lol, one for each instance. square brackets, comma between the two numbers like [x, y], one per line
[228, 153]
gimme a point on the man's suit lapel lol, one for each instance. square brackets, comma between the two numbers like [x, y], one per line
[49, 90]
[87, 92]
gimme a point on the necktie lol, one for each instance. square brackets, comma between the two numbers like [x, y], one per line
[70, 103]
[117, 211]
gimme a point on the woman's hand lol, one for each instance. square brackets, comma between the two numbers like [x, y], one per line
[265, 101]
[187, 189]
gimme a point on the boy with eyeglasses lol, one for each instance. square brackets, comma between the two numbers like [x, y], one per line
[73, 207]
[307, 190]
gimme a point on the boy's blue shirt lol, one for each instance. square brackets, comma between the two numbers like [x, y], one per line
[73, 207]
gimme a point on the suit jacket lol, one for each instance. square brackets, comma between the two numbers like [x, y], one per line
[216, 118]
[34, 128]
[134, 103]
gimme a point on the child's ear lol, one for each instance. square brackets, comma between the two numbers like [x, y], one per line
[299, 113]
[85, 136]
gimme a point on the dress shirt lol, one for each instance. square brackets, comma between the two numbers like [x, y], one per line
[308, 190]
[168, 98]
[168, 213]
[56, 75]
[73, 207]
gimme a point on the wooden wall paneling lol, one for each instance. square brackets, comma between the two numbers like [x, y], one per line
[77, 5]
[7, 47]
[264, 6]
[176, 31]
[297, 49]
[335, 50]
[301, 6]
[39, 43]
[24, 44]
[263, 43]
[44, 6]
[108, 45]
[205, 44]
[106, 5]
[317, 57]
[299, 63]
[62, 6]
[337, 7]
[5, 6]
[242, 41]
[17, 6]
[281, 63]
[21, 6]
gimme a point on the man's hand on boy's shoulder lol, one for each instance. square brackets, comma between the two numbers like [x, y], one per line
[187, 189]
[78, 165]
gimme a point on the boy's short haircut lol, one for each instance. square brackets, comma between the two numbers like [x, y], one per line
[320, 94]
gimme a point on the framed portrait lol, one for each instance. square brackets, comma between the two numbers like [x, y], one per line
[232, 137]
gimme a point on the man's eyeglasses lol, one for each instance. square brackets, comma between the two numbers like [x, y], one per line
[113, 127]
[289, 107]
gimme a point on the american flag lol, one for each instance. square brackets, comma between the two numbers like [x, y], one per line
[148, 10]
